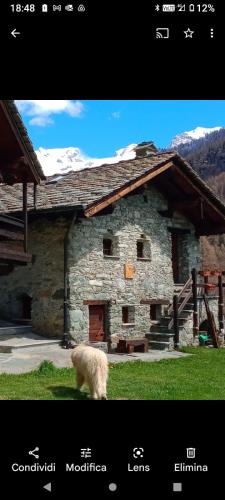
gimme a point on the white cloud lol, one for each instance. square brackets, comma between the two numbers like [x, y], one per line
[42, 111]
[41, 121]
[116, 115]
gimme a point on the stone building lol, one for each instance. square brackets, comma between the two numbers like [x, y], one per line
[111, 246]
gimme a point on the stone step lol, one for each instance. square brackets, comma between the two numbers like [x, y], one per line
[15, 330]
[10, 343]
[165, 337]
[161, 329]
[165, 328]
[188, 305]
[166, 319]
[160, 345]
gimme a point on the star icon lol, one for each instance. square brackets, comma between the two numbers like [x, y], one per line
[188, 33]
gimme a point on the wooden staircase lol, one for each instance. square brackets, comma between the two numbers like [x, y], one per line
[163, 335]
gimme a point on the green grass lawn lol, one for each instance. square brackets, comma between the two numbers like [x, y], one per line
[200, 376]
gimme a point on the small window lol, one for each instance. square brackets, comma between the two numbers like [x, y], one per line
[107, 246]
[128, 314]
[143, 248]
[110, 245]
[140, 249]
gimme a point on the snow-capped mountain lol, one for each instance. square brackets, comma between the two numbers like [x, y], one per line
[192, 135]
[63, 160]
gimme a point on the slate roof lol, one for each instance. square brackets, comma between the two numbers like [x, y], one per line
[84, 188]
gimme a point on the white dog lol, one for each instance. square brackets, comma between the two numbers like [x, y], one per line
[91, 366]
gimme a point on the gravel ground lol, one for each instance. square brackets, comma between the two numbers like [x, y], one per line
[25, 360]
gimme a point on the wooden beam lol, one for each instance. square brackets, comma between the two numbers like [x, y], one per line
[11, 247]
[97, 206]
[208, 230]
[176, 321]
[195, 302]
[95, 302]
[14, 254]
[11, 220]
[178, 230]
[11, 235]
[220, 304]
[203, 196]
[25, 215]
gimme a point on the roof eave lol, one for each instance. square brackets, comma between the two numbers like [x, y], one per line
[127, 188]
[36, 171]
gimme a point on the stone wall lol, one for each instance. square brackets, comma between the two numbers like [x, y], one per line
[43, 280]
[93, 276]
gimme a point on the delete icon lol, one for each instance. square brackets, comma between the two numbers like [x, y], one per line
[177, 487]
[190, 452]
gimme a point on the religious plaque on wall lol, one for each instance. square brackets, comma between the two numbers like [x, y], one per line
[129, 271]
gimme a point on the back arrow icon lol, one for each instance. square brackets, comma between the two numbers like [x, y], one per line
[14, 33]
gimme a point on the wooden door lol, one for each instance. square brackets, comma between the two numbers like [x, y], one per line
[97, 323]
[175, 257]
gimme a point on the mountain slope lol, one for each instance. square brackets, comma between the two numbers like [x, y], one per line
[192, 135]
[207, 154]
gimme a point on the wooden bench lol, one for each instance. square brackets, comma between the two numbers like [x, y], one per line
[129, 346]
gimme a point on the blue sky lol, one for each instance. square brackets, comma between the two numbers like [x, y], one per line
[99, 128]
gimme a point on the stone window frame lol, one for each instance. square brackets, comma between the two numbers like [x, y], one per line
[114, 247]
[128, 315]
[146, 242]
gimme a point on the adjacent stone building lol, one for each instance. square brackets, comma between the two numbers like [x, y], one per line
[111, 245]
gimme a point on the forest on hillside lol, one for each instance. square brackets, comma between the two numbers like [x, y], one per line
[207, 157]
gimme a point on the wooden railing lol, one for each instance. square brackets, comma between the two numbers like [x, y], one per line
[186, 285]
[176, 308]
[190, 289]
[11, 221]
